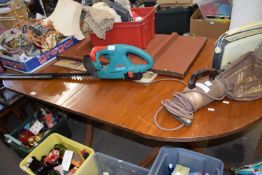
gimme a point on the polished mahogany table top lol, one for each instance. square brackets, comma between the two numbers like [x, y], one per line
[131, 106]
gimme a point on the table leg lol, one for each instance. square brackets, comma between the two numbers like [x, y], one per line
[145, 162]
[198, 146]
[150, 158]
[89, 134]
[258, 151]
[3, 128]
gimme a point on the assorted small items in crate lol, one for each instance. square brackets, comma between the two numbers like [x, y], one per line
[28, 41]
[182, 170]
[33, 132]
[251, 169]
[31, 45]
[59, 161]
[218, 10]
[101, 16]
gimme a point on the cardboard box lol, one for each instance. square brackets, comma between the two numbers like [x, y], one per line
[210, 29]
[39, 60]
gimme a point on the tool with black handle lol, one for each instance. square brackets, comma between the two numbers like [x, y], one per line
[119, 65]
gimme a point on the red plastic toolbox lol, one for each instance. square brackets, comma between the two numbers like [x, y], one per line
[133, 33]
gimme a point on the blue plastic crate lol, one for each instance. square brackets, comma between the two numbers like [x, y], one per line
[195, 161]
[103, 164]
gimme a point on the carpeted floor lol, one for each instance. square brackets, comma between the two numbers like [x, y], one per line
[235, 150]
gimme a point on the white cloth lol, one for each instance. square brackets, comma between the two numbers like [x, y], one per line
[66, 18]
[245, 12]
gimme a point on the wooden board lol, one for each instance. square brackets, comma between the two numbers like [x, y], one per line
[176, 55]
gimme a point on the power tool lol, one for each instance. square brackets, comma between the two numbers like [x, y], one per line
[119, 65]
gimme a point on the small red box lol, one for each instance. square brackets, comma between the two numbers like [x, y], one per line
[133, 33]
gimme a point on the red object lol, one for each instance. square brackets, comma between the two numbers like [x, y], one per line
[134, 14]
[72, 171]
[133, 33]
[84, 153]
[24, 135]
[52, 157]
[209, 9]
[130, 74]
[49, 120]
[94, 50]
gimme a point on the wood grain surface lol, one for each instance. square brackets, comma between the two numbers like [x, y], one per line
[176, 54]
[51, 91]
[131, 106]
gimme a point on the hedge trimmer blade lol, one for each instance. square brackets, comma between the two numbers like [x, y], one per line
[46, 76]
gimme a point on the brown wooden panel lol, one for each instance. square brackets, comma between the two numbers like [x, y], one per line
[177, 55]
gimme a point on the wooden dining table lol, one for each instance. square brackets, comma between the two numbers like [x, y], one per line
[131, 106]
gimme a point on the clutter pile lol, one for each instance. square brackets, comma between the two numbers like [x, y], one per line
[212, 19]
[29, 41]
[33, 132]
[59, 161]
[101, 16]
[251, 169]
[218, 10]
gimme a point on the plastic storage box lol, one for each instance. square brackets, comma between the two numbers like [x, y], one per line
[60, 127]
[215, 8]
[45, 147]
[195, 161]
[133, 33]
[100, 163]
[175, 19]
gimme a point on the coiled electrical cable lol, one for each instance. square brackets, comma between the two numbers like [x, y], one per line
[180, 106]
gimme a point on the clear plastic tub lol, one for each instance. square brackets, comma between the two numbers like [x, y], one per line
[101, 164]
[215, 8]
[195, 161]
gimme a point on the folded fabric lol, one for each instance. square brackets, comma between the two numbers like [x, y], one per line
[122, 11]
[124, 3]
[99, 19]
